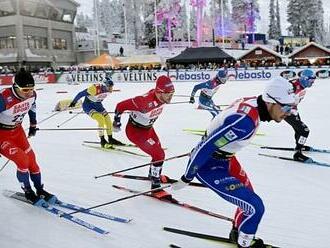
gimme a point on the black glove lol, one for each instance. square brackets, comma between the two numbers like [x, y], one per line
[116, 122]
[72, 104]
[192, 99]
[32, 131]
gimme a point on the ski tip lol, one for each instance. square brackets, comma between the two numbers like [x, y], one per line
[8, 193]
[174, 246]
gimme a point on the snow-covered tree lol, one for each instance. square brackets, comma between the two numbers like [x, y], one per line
[106, 16]
[83, 21]
[274, 30]
[244, 14]
[278, 20]
[272, 21]
[306, 18]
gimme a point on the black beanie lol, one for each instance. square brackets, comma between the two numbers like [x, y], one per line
[24, 79]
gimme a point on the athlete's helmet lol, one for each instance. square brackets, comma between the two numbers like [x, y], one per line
[279, 90]
[108, 81]
[307, 78]
[24, 79]
[222, 76]
[164, 85]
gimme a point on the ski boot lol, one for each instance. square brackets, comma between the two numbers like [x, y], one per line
[35, 200]
[115, 142]
[233, 235]
[48, 197]
[298, 156]
[159, 194]
[103, 142]
[256, 243]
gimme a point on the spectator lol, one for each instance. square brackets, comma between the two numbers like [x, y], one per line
[121, 51]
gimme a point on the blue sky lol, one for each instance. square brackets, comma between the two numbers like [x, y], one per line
[86, 6]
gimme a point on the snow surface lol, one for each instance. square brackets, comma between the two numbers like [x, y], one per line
[296, 196]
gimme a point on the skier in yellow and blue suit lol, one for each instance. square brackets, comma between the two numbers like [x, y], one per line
[92, 105]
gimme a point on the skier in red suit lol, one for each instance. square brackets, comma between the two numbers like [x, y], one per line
[15, 103]
[144, 111]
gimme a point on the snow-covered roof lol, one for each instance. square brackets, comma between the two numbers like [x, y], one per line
[30, 54]
[8, 55]
[262, 48]
[235, 53]
[308, 45]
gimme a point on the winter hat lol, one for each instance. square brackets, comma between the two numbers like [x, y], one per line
[307, 78]
[24, 79]
[279, 89]
[164, 85]
[108, 81]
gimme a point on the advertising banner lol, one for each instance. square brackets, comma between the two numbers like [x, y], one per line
[149, 76]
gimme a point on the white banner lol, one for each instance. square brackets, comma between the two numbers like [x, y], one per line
[186, 76]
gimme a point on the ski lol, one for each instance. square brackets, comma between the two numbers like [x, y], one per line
[175, 246]
[98, 143]
[87, 211]
[178, 203]
[206, 236]
[113, 148]
[55, 211]
[305, 149]
[202, 132]
[91, 212]
[163, 179]
[310, 161]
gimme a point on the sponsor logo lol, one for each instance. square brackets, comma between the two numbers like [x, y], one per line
[85, 77]
[231, 76]
[234, 186]
[140, 76]
[40, 78]
[223, 180]
[253, 75]
[322, 74]
[24, 107]
[221, 142]
[288, 74]
[199, 76]
[230, 135]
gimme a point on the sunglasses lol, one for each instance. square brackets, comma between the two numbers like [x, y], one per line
[25, 89]
[285, 108]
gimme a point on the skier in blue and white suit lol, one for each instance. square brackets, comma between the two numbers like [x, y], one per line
[208, 89]
[214, 164]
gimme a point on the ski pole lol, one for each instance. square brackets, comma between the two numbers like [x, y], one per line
[143, 165]
[47, 118]
[179, 102]
[109, 112]
[117, 200]
[4, 165]
[70, 129]
[66, 121]
[184, 96]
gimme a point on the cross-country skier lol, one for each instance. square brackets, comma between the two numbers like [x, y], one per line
[214, 163]
[208, 89]
[15, 103]
[144, 111]
[306, 80]
[92, 106]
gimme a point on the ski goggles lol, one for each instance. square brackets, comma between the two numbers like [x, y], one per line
[25, 89]
[221, 80]
[285, 108]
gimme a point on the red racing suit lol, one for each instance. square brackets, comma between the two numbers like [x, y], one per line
[145, 110]
[13, 141]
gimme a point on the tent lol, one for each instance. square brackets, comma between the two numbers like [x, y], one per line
[151, 59]
[103, 60]
[201, 55]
